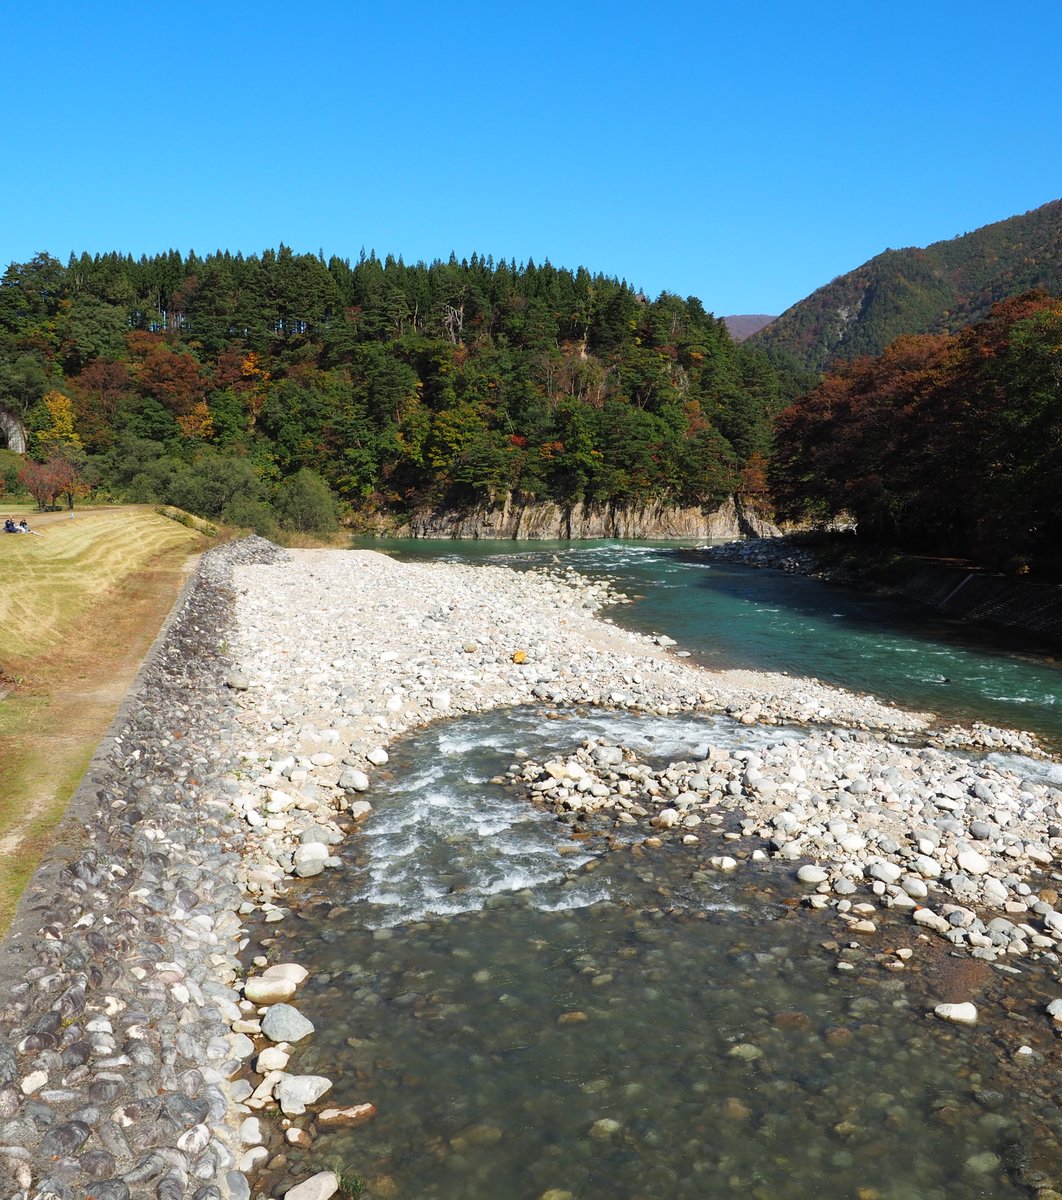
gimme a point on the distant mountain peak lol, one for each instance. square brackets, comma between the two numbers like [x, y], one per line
[741, 327]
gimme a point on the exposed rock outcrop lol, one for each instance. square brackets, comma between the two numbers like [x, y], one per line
[12, 431]
[541, 521]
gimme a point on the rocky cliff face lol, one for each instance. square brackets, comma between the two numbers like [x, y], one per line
[537, 522]
[12, 432]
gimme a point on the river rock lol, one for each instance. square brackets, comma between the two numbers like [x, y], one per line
[321, 834]
[321, 1186]
[310, 858]
[886, 872]
[293, 971]
[972, 862]
[810, 873]
[961, 1014]
[283, 1023]
[260, 990]
[251, 1132]
[295, 1092]
[926, 916]
[355, 1114]
[353, 780]
[995, 891]
[272, 1058]
[927, 866]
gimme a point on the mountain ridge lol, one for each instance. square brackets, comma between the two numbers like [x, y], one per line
[933, 289]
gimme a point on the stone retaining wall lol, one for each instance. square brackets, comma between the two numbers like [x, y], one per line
[115, 978]
[999, 601]
[996, 600]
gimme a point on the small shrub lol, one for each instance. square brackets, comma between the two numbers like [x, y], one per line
[248, 513]
[187, 520]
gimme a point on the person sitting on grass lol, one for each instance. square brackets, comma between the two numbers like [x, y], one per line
[10, 526]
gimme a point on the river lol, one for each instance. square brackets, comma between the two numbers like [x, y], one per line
[537, 1017]
[728, 615]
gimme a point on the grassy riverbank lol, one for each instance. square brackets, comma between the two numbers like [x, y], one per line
[79, 606]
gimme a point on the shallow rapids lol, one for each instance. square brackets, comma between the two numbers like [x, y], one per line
[443, 839]
[629, 1025]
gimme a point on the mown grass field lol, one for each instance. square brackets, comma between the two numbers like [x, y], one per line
[79, 606]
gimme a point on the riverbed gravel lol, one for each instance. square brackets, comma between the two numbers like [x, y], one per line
[250, 750]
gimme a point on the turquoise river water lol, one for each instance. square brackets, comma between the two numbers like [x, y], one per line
[735, 616]
[541, 1016]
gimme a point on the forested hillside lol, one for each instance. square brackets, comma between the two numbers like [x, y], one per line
[936, 290]
[231, 385]
[945, 443]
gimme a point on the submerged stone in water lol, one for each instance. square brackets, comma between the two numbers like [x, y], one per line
[961, 1014]
[321, 1186]
[355, 1114]
[746, 1051]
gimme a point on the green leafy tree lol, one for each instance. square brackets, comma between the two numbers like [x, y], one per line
[23, 381]
[212, 482]
[306, 504]
[88, 330]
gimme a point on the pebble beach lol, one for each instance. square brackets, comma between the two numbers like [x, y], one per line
[145, 1039]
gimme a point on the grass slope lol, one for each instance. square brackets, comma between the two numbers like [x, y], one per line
[79, 606]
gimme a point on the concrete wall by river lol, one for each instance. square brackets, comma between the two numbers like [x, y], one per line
[1018, 604]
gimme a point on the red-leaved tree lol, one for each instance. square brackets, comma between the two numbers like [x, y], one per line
[46, 481]
[39, 480]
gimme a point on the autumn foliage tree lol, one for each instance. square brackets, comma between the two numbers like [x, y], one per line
[951, 444]
[47, 481]
[66, 474]
[59, 434]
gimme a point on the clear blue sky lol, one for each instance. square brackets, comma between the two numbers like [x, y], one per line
[745, 153]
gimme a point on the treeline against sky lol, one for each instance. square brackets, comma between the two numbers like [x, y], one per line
[950, 444]
[209, 382]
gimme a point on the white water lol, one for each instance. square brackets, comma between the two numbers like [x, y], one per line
[444, 840]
